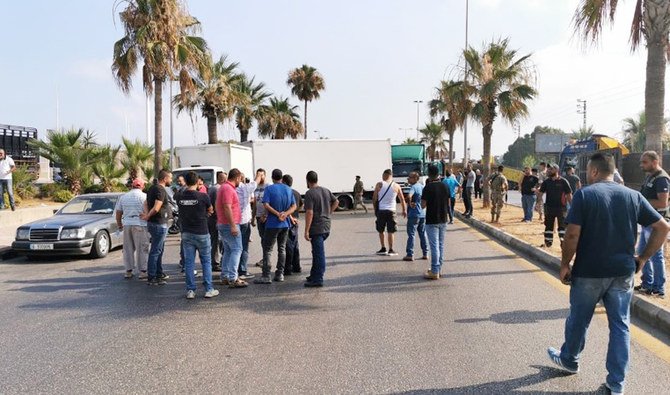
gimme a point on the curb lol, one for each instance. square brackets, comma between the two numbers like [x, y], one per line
[653, 315]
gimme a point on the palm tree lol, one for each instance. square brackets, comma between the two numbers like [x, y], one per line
[497, 83]
[215, 95]
[75, 151]
[635, 135]
[138, 155]
[433, 137]
[410, 141]
[306, 84]
[451, 105]
[583, 134]
[252, 108]
[651, 21]
[160, 33]
[107, 168]
[279, 120]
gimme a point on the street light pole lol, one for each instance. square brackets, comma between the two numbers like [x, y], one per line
[171, 128]
[465, 122]
[418, 103]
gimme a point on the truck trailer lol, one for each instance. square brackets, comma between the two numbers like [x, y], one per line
[207, 159]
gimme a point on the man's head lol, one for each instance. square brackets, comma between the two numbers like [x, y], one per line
[164, 177]
[534, 171]
[261, 173]
[526, 170]
[181, 181]
[221, 177]
[201, 182]
[570, 170]
[448, 173]
[601, 167]
[138, 183]
[235, 177]
[2, 153]
[468, 167]
[387, 174]
[288, 180]
[478, 172]
[552, 170]
[413, 178]
[191, 179]
[358, 178]
[501, 168]
[276, 176]
[433, 172]
[543, 166]
[312, 178]
[649, 162]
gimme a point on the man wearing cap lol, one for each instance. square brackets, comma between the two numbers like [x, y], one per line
[359, 189]
[559, 195]
[135, 236]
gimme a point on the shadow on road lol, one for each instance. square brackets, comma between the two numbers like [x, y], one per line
[520, 317]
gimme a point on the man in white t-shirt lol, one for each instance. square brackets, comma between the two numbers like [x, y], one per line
[7, 167]
[384, 200]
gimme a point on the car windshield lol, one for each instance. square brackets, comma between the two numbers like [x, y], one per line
[90, 205]
[403, 169]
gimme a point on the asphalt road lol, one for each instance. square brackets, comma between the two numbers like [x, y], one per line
[77, 327]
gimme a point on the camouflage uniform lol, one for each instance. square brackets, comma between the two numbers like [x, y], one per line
[498, 183]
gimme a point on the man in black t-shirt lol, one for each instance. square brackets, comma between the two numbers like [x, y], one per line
[435, 199]
[159, 213]
[559, 195]
[528, 197]
[195, 207]
[292, 244]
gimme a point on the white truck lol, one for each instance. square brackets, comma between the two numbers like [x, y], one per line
[337, 163]
[208, 159]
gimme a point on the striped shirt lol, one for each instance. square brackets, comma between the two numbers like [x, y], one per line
[131, 204]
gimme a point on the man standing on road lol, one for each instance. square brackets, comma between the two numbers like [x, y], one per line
[157, 219]
[196, 207]
[7, 167]
[498, 184]
[229, 214]
[602, 230]
[245, 192]
[384, 200]
[541, 176]
[435, 200]
[135, 236]
[359, 189]
[292, 244]
[469, 186]
[559, 196]
[215, 241]
[655, 190]
[259, 214]
[320, 204]
[528, 194]
[478, 184]
[452, 183]
[416, 219]
[279, 204]
[573, 179]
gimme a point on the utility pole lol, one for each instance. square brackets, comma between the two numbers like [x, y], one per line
[581, 109]
[466, 151]
[171, 127]
[418, 103]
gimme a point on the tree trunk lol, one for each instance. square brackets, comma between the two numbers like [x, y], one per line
[451, 149]
[487, 131]
[211, 130]
[654, 95]
[305, 123]
[158, 125]
[244, 135]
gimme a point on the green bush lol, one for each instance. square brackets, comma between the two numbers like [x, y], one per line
[22, 180]
[94, 188]
[63, 196]
[47, 191]
[17, 200]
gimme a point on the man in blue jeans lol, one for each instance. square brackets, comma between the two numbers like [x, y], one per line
[229, 214]
[435, 200]
[655, 190]
[195, 207]
[416, 219]
[157, 224]
[452, 183]
[602, 228]
[320, 204]
[528, 194]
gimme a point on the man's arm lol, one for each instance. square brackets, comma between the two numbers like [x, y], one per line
[309, 217]
[228, 213]
[375, 194]
[403, 203]
[659, 233]
[154, 210]
[119, 215]
[334, 205]
[570, 242]
[661, 201]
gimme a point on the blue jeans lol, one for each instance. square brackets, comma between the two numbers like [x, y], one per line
[318, 258]
[245, 231]
[158, 233]
[616, 294]
[436, 234]
[203, 244]
[232, 252]
[653, 273]
[6, 186]
[415, 224]
[528, 204]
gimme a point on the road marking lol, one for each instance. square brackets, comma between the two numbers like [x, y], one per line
[642, 337]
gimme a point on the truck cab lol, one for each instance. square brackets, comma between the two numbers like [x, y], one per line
[405, 159]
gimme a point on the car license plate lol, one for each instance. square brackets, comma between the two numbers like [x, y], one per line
[41, 246]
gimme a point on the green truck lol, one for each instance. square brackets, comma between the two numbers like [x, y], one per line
[405, 159]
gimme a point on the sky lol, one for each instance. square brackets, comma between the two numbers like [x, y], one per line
[377, 58]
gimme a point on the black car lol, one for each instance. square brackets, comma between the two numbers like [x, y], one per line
[85, 225]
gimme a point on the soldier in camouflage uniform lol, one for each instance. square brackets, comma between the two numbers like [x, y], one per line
[498, 185]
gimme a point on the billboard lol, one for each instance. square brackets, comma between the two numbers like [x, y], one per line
[550, 143]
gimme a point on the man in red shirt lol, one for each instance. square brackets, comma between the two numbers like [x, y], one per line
[229, 215]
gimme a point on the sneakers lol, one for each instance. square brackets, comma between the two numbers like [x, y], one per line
[190, 294]
[211, 293]
[143, 275]
[429, 275]
[310, 284]
[161, 281]
[238, 284]
[163, 276]
[225, 281]
[128, 275]
[555, 357]
[156, 281]
[658, 294]
[408, 259]
[263, 280]
[424, 258]
[216, 268]
[611, 391]
[259, 263]
[382, 251]
[392, 253]
[279, 277]
[246, 276]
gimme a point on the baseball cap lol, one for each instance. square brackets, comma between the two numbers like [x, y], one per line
[138, 183]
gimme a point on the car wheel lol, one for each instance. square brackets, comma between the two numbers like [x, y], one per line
[344, 202]
[101, 244]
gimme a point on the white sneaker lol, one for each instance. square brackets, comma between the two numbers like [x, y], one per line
[212, 293]
[611, 391]
[190, 295]
[143, 276]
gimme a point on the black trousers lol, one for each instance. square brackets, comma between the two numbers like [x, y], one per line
[217, 245]
[293, 251]
[467, 200]
[551, 216]
[272, 236]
